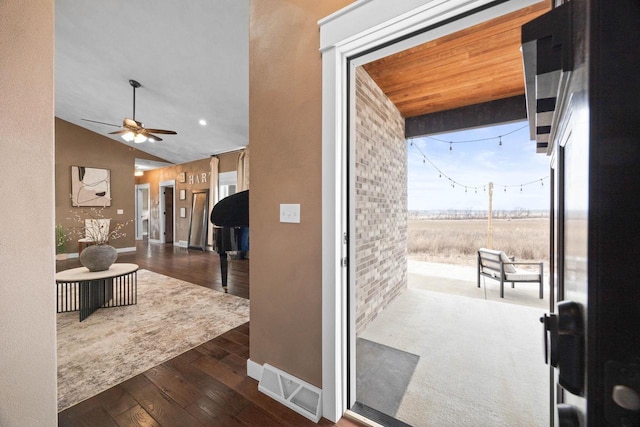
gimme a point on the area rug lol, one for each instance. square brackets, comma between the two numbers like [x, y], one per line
[114, 344]
[382, 368]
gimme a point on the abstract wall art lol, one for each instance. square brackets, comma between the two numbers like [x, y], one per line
[90, 186]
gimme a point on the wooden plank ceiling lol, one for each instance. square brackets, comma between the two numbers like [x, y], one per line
[479, 64]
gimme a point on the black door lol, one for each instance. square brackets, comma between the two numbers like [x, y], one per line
[168, 214]
[593, 134]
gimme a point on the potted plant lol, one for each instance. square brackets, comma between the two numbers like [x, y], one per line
[61, 243]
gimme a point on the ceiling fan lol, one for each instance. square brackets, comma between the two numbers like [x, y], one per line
[133, 130]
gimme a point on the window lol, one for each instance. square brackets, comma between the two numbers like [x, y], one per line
[227, 183]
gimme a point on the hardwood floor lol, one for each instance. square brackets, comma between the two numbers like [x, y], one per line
[206, 386]
[194, 266]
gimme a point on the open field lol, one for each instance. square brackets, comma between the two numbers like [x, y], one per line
[456, 241]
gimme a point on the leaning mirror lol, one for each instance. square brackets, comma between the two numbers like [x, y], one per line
[198, 222]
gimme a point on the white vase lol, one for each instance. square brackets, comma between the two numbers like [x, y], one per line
[98, 257]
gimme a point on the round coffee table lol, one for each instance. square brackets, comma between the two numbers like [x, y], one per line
[86, 291]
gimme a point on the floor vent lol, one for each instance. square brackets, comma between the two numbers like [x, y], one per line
[298, 395]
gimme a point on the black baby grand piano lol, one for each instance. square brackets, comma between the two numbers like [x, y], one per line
[230, 218]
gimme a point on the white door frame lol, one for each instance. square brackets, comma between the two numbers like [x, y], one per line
[138, 208]
[162, 206]
[365, 26]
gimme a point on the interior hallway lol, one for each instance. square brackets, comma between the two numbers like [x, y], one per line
[177, 393]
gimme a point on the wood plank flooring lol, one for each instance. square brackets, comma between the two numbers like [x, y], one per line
[194, 266]
[206, 386]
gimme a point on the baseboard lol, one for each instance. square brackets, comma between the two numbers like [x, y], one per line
[129, 249]
[254, 370]
[119, 250]
[154, 241]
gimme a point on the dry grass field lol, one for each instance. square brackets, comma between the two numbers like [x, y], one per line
[456, 241]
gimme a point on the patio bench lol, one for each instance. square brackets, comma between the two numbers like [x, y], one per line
[498, 266]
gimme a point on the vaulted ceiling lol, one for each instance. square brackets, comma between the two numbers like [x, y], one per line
[192, 61]
[479, 64]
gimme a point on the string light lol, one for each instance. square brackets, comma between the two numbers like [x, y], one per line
[453, 182]
[491, 138]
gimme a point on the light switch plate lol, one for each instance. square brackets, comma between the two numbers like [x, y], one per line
[120, 211]
[290, 213]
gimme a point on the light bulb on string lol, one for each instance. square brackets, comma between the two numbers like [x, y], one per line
[505, 188]
[520, 187]
[542, 182]
[500, 141]
[450, 146]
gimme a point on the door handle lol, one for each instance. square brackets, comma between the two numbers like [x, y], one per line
[550, 322]
[564, 349]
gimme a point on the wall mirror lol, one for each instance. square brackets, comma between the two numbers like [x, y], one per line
[198, 222]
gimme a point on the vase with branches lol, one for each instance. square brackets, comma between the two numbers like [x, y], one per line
[96, 230]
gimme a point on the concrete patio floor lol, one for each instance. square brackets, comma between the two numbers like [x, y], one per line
[481, 359]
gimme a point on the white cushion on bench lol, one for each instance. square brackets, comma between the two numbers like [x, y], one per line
[521, 276]
[508, 268]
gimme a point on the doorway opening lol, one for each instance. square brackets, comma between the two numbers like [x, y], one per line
[167, 211]
[431, 347]
[143, 201]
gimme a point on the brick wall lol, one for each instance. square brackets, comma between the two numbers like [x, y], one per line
[381, 201]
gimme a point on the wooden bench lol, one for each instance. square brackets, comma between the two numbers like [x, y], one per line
[498, 266]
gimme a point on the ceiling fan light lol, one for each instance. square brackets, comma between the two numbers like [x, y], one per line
[139, 138]
[129, 136]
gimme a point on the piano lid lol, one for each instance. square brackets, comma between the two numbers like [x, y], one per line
[232, 211]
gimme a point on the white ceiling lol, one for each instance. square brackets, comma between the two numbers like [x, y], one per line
[191, 57]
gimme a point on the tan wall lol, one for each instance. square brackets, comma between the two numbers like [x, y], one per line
[198, 177]
[27, 318]
[285, 118]
[381, 201]
[76, 146]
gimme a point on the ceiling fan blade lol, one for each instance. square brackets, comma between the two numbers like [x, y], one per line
[102, 123]
[152, 138]
[162, 131]
[119, 132]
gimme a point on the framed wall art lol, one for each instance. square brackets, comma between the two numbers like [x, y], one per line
[90, 186]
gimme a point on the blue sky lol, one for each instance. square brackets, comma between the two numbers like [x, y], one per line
[475, 164]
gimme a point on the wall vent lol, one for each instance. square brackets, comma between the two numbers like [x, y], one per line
[292, 392]
[183, 243]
